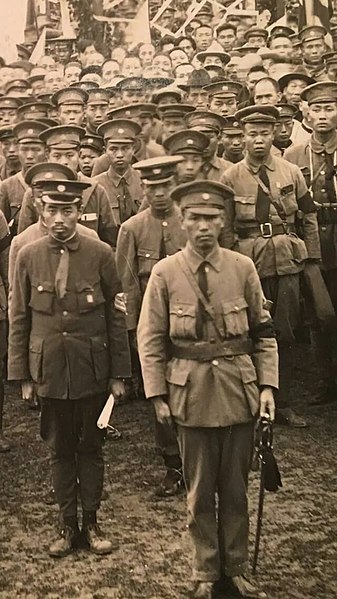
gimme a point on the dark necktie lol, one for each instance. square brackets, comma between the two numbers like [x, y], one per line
[61, 276]
[202, 315]
[329, 178]
[123, 200]
[262, 199]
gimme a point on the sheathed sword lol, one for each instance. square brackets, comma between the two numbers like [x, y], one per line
[270, 478]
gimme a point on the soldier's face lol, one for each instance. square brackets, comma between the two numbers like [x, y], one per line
[96, 114]
[292, 92]
[258, 139]
[312, 52]
[30, 154]
[323, 116]
[283, 130]
[202, 230]
[158, 196]
[86, 160]
[223, 106]
[189, 169]
[60, 220]
[120, 155]
[8, 116]
[10, 150]
[71, 114]
[66, 157]
[233, 144]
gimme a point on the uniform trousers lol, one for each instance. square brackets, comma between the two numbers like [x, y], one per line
[216, 462]
[324, 340]
[69, 427]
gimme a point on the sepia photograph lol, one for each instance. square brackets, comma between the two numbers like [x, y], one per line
[168, 299]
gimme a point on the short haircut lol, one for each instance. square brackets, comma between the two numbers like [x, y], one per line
[93, 68]
[185, 37]
[257, 68]
[226, 26]
[201, 26]
[272, 81]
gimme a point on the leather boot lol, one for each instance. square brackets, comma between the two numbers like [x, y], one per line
[172, 484]
[240, 586]
[65, 542]
[203, 590]
[96, 541]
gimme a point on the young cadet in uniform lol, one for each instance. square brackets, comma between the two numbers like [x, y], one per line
[223, 97]
[172, 118]
[270, 196]
[211, 124]
[313, 48]
[196, 93]
[191, 145]
[31, 150]
[121, 182]
[142, 241]
[9, 148]
[283, 129]
[91, 147]
[63, 146]
[9, 111]
[68, 338]
[232, 144]
[5, 239]
[318, 158]
[209, 361]
[70, 104]
[97, 109]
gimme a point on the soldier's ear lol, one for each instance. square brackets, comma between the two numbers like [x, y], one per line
[181, 218]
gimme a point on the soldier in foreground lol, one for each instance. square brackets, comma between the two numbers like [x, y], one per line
[68, 338]
[209, 361]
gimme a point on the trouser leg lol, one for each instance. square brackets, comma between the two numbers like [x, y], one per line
[167, 443]
[90, 463]
[58, 432]
[233, 520]
[2, 397]
[200, 452]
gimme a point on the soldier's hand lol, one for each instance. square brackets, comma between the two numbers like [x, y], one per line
[117, 388]
[267, 403]
[27, 390]
[162, 409]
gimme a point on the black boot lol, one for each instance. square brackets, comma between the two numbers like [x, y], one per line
[67, 538]
[173, 482]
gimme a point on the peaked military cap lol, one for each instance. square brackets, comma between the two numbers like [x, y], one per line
[6, 133]
[186, 141]
[132, 111]
[44, 97]
[29, 131]
[95, 142]
[232, 126]
[85, 85]
[158, 82]
[63, 136]
[98, 96]
[312, 32]
[202, 120]
[224, 57]
[44, 171]
[257, 114]
[197, 78]
[49, 122]
[323, 91]
[286, 111]
[256, 31]
[158, 170]
[34, 110]
[69, 95]
[175, 110]
[280, 31]
[224, 89]
[19, 84]
[161, 93]
[23, 51]
[62, 191]
[37, 77]
[285, 80]
[9, 102]
[119, 130]
[131, 83]
[203, 197]
[330, 58]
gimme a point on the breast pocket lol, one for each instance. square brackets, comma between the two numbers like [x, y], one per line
[89, 296]
[235, 317]
[245, 207]
[35, 359]
[42, 297]
[183, 321]
[146, 261]
[100, 357]
[288, 202]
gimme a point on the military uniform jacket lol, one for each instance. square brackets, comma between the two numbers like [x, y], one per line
[282, 254]
[124, 202]
[214, 169]
[12, 191]
[224, 391]
[69, 347]
[97, 214]
[4, 253]
[142, 241]
[149, 150]
[311, 156]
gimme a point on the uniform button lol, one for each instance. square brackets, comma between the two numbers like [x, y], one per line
[65, 313]
[64, 333]
[236, 308]
[147, 255]
[215, 362]
[164, 223]
[206, 268]
[40, 288]
[322, 173]
[323, 189]
[180, 311]
[61, 251]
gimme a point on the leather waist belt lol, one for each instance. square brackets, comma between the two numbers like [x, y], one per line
[203, 351]
[266, 230]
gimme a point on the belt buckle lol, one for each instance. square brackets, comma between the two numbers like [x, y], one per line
[266, 230]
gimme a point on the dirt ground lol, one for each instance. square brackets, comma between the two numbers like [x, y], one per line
[299, 543]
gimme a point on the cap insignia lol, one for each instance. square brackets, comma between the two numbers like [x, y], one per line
[61, 188]
[120, 131]
[190, 142]
[156, 171]
[30, 131]
[205, 196]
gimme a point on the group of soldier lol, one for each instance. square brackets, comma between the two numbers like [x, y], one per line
[165, 216]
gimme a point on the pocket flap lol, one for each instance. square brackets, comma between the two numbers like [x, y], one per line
[177, 376]
[35, 345]
[183, 309]
[99, 343]
[86, 285]
[148, 254]
[234, 305]
[43, 286]
[245, 199]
